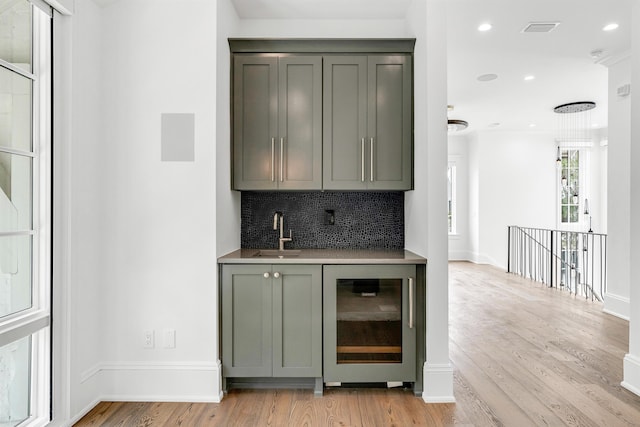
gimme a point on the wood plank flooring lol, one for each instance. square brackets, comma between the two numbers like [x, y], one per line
[523, 354]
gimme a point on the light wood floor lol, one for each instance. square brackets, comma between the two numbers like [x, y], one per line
[524, 355]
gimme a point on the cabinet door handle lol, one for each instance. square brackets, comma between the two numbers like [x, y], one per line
[371, 170]
[273, 159]
[276, 275]
[266, 275]
[362, 159]
[281, 159]
[411, 292]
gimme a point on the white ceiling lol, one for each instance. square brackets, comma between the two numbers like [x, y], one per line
[560, 60]
[321, 9]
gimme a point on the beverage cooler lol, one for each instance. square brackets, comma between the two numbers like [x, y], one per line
[369, 320]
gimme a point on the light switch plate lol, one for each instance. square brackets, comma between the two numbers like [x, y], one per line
[169, 338]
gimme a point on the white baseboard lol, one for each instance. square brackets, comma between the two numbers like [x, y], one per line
[460, 256]
[438, 383]
[77, 417]
[616, 305]
[631, 377]
[158, 381]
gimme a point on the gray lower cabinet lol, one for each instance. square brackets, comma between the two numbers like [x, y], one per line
[271, 320]
[277, 122]
[367, 122]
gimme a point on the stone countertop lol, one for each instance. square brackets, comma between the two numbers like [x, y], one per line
[321, 256]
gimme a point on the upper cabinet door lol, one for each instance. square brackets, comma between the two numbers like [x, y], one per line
[389, 123]
[300, 123]
[367, 123]
[277, 123]
[345, 122]
[255, 122]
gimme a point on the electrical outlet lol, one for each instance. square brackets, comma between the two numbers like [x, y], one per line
[148, 339]
[169, 338]
[329, 217]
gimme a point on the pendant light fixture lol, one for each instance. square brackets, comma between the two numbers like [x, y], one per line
[574, 122]
[456, 125]
[574, 132]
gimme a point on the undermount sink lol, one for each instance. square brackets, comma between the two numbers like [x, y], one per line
[275, 253]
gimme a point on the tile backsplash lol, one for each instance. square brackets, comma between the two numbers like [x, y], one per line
[363, 220]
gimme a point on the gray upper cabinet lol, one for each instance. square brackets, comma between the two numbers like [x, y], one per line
[367, 122]
[277, 122]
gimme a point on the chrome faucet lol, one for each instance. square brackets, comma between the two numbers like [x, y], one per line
[280, 225]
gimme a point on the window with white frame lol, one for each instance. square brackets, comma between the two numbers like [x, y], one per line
[451, 193]
[25, 212]
[571, 189]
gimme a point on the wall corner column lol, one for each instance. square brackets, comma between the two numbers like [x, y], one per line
[437, 371]
[631, 379]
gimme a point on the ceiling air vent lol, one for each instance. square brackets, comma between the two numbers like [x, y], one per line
[540, 27]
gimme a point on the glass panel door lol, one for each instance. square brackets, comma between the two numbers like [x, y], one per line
[369, 332]
[369, 320]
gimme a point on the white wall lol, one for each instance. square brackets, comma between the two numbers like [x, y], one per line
[86, 208]
[143, 232]
[598, 183]
[474, 195]
[460, 242]
[512, 182]
[618, 193]
[227, 201]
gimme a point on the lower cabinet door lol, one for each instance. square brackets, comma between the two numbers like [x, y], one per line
[271, 320]
[297, 321]
[246, 321]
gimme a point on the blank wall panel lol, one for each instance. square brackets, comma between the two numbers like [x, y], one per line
[177, 137]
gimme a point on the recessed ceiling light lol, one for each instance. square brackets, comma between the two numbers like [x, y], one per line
[610, 27]
[532, 125]
[529, 77]
[487, 77]
[485, 27]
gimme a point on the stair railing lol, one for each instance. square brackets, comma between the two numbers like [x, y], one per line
[570, 260]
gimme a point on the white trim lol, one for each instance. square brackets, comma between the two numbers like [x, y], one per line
[23, 326]
[611, 60]
[61, 261]
[631, 379]
[137, 381]
[84, 411]
[438, 383]
[461, 256]
[453, 167]
[60, 7]
[478, 258]
[616, 305]
[573, 145]
[204, 398]
[14, 68]
[145, 366]
[43, 6]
